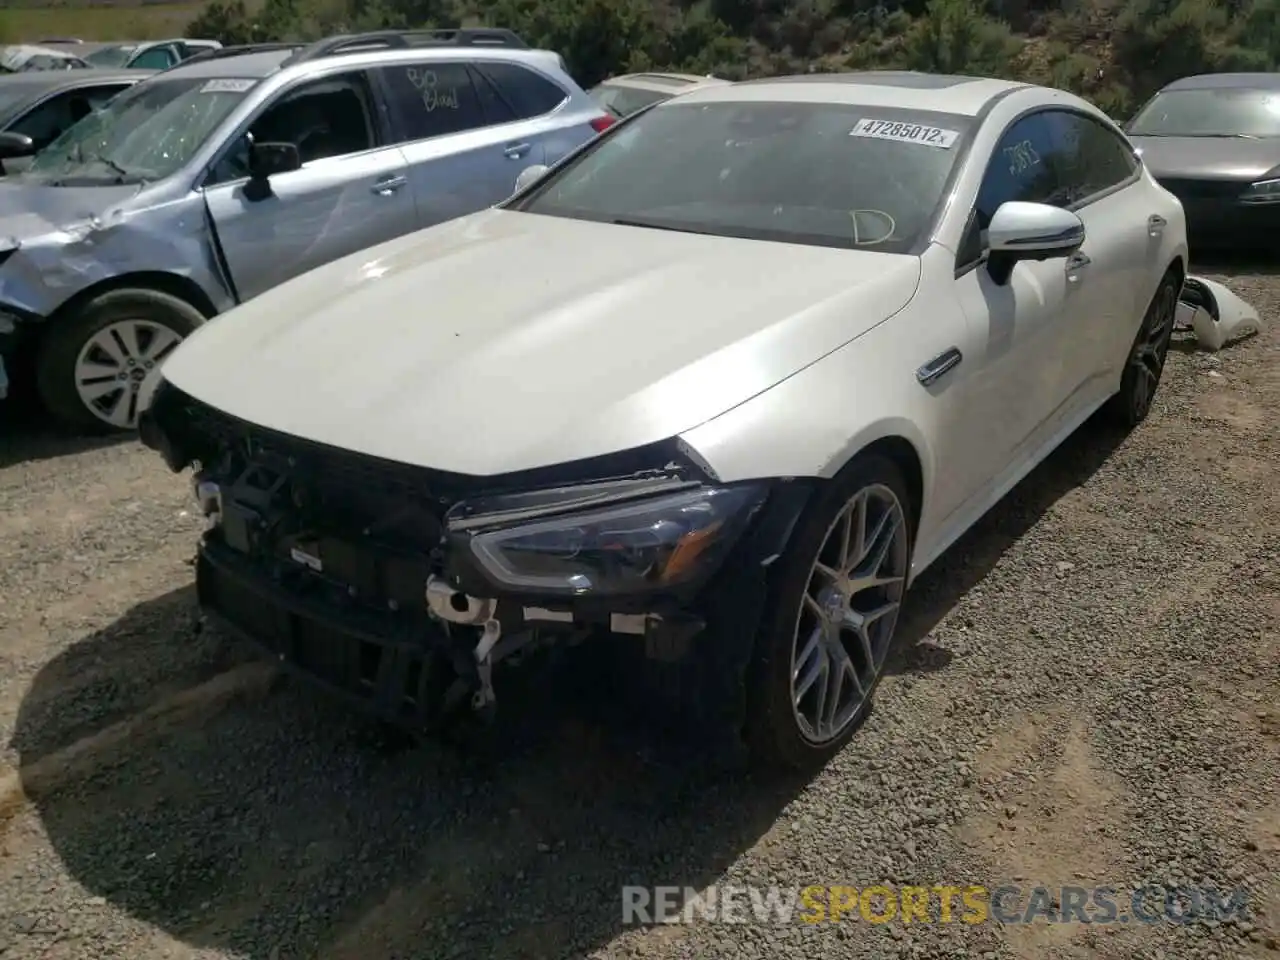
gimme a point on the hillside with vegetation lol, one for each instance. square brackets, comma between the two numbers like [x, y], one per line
[1116, 52]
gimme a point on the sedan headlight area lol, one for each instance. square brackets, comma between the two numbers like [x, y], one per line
[635, 547]
[1264, 191]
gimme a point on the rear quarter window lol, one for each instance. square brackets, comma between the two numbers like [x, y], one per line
[529, 94]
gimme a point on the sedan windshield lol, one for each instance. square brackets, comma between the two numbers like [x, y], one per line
[1219, 112]
[114, 56]
[146, 133]
[833, 175]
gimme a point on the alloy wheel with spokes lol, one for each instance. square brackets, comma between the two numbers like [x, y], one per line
[847, 614]
[114, 363]
[1147, 358]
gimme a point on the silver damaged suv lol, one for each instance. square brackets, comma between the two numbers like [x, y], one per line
[213, 181]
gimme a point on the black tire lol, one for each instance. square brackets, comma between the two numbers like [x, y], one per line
[1144, 363]
[773, 732]
[67, 335]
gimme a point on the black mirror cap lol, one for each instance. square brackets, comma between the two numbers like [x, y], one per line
[13, 145]
[268, 159]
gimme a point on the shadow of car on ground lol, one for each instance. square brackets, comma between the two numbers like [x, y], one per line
[174, 779]
[28, 433]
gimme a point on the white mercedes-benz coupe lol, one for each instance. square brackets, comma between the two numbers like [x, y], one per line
[724, 381]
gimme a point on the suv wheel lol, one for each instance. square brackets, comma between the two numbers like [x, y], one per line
[833, 614]
[93, 363]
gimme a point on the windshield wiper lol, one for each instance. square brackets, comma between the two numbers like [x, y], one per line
[652, 225]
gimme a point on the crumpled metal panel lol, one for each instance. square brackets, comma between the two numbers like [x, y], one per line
[61, 248]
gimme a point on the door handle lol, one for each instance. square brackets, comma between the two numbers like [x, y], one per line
[385, 188]
[944, 362]
[514, 151]
[1156, 224]
[1077, 261]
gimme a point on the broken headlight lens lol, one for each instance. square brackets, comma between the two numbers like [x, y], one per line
[633, 547]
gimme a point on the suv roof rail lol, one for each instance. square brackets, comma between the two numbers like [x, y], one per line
[406, 39]
[236, 50]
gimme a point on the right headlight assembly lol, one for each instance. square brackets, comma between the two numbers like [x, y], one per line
[633, 547]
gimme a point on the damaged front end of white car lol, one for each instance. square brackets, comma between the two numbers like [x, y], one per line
[1215, 314]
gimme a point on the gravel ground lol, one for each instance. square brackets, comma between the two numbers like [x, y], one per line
[1089, 694]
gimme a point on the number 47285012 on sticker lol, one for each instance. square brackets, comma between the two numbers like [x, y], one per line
[905, 132]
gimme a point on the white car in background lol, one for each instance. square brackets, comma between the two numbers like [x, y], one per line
[727, 379]
[624, 95]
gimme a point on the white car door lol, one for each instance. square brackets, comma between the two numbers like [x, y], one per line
[1101, 179]
[1023, 324]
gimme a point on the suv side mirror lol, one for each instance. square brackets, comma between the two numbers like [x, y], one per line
[13, 145]
[268, 159]
[1029, 231]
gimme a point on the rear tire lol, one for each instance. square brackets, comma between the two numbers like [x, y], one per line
[91, 364]
[1144, 364]
[832, 613]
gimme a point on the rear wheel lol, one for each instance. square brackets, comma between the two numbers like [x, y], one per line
[831, 625]
[1147, 354]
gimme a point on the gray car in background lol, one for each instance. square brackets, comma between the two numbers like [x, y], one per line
[213, 181]
[624, 95]
[1214, 142]
[39, 106]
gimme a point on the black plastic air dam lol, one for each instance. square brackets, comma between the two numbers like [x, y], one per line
[374, 664]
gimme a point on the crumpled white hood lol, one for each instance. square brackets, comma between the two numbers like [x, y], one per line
[505, 341]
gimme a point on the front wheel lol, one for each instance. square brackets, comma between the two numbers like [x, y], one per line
[1144, 365]
[92, 364]
[834, 610]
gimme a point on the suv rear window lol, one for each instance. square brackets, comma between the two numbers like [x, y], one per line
[529, 94]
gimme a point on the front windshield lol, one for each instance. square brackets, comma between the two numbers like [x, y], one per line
[833, 175]
[116, 56]
[146, 133]
[624, 101]
[1217, 112]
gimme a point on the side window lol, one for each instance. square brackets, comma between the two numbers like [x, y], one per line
[433, 99]
[1023, 167]
[46, 122]
[496, 110]
[528, 93]
[1093, 159]
[323, 119]
[157, 58]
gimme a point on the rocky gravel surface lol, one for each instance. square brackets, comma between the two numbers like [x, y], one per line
[1088, 695]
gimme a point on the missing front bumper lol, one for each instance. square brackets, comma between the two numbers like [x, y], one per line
[373, 663]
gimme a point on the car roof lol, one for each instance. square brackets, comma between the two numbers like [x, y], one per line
[40, 80]
[1222, 81]
[662, 82]
[906, 89]
[262, 63]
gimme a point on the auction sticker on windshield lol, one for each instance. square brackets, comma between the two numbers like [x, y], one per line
[228, 85]
[905, 132]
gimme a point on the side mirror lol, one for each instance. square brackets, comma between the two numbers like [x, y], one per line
[13, 145]
[530, 175]
[268, 159]
[1030, 231]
